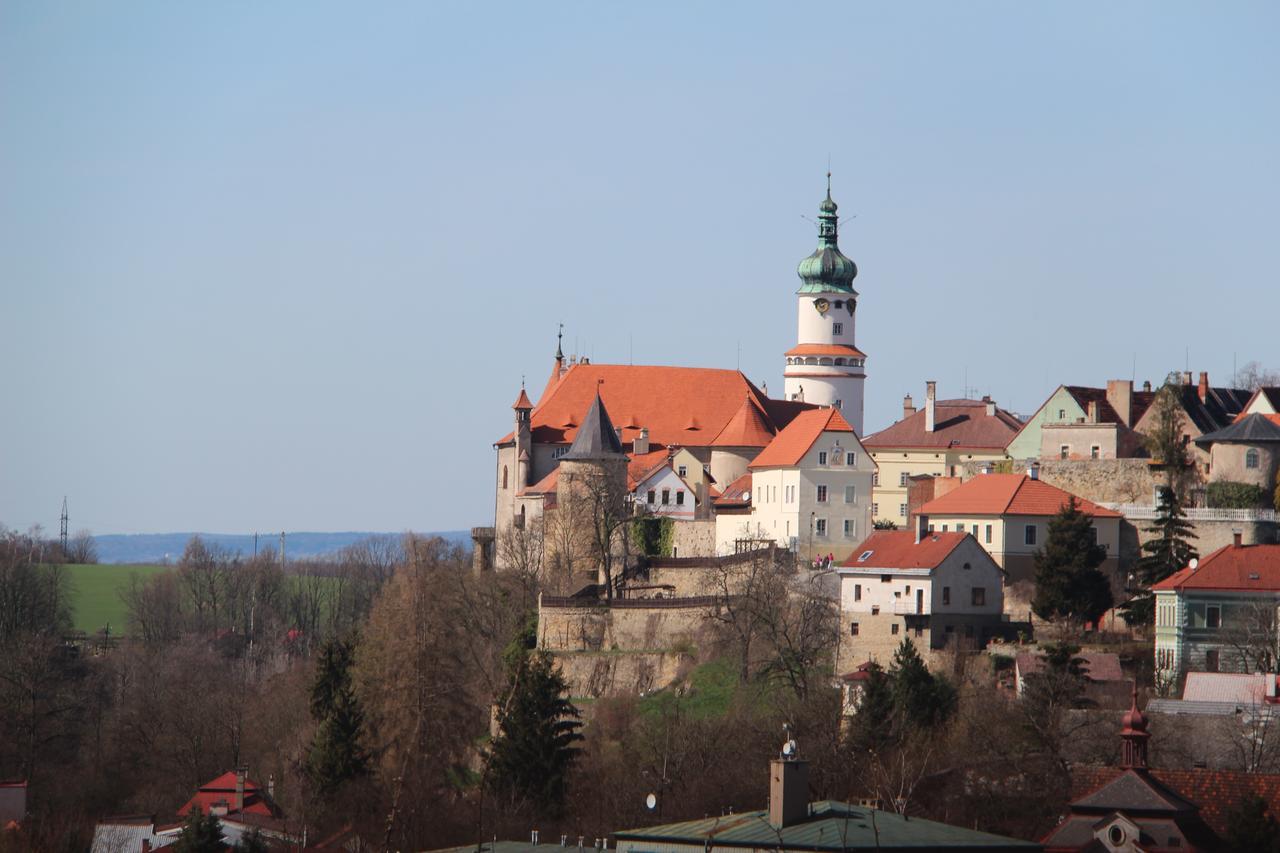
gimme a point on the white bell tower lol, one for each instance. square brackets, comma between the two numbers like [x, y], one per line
[825, 367]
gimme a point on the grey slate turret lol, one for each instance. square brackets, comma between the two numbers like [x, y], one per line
[596, 438]
[1248, 430]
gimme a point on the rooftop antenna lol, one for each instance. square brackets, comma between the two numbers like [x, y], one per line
[62, 532]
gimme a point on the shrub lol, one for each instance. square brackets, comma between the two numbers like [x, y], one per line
[1225, 494]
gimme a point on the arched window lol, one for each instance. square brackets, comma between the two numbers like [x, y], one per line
[504, 476]
[825, 361]
[1251, 458]
[839, 362]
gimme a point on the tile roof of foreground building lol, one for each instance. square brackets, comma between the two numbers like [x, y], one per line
[736, 494]
[1235, 568]
[749, 427]
[222, 790]
[898, 549]
[680, 406]
[1247, 688]
[1009, 494]
[791, 444]
[829, 826]
[1097, 666]
[958, 424]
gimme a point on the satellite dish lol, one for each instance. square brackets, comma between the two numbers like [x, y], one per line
[651, 802]
[1195, 564]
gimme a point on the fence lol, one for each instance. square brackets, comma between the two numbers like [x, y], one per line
[1144, 511]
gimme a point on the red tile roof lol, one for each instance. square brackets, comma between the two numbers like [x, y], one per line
[1098, 666]
[737, 493]
[223, 789]
[789, 446]
[749, 427]
[680, 406]
[826, 349]
[1008, 494]
[898, 549]
[522, 402]
[1217, 792]
[1232, 567]
[640, 466]
[958, 424]
[545, 486]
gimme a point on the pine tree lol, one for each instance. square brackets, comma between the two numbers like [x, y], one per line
[1169, 550]
[872, 728]
[534, 750]
[1251, 829]
[336, 753]
[1068, 583]
[920, 698]
[200, 834]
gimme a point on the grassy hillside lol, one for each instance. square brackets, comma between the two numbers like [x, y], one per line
[97, 594]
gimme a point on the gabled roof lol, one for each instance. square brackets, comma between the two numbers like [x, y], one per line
[1270, 394]
[1135, 790]
[223, 790]
[736, 494]
[1098, 666]
[668, 401]
[1008, 494]
[1239, 688]
[1238, 568]
[898, 549]
[1250, 429]
[596, 438]
[641, 465]
[749, 427]
[958, 424]
[789, 446]
[1219, 407]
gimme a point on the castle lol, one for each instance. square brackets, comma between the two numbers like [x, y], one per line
[688, 434]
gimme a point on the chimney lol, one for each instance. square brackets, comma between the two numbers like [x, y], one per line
[1204, 385]
[1093, 412]
[641, 442]
[930, 400]
[241, 771]
[1120, 396]
[908, 407]
[1186, 378]
[1034, 471]
[922, 527]
[991, 406]
[788, 791]
[1146, 385]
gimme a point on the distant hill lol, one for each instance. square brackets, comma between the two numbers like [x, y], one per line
[159, 547]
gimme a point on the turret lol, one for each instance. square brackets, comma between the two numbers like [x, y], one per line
[524, 439]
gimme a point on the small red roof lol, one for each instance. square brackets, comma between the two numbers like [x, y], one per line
[737, 493]
[1008, 494]
[522, 402]
[545, 486]
[223, 790]
[826, 349]
[898, 549]
[1097, 666]
[1232, 567]
[958, 424]
[789, 446]
[749, 427]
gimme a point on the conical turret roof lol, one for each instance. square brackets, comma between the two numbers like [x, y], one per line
[749, 427]
[596, 438]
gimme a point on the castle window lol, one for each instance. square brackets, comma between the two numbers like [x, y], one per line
[857, 592]
[666, 496]
[893, 629]
[875, 508]
[979, 596]
[849, 528]
[875, 478]
[1251, 458]
[820, 527]
[851, 494]
[680, 497]
[822, 457]
[946, 595]
[651, 497]
[853, 629]
[504, 476]
[839, 362]
[902, 509]
[822, 494]
[851, 458]
[839, 404]
[1095, 452]
[837, 328]
[1029, 535]
[682, 470]
[1064, 452]
[902, 478]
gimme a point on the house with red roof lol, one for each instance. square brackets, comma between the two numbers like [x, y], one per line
[935, 441]
[1009, 516]
[936, 589]
[811, 490]
[1214, 614]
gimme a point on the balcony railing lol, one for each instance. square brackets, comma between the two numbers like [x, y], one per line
[909, 608]
[1145, 511]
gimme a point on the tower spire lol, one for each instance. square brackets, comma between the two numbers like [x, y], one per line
[1135, 735]
[559, 340]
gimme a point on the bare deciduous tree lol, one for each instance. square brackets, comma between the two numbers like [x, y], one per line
[1253, 636]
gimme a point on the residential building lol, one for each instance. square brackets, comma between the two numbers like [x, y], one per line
[1134, 810]
[1105, 684]
[1205, 409]
[1212, 615]
[812, 486]
[1235, 695]
[1009, 515]
[1265, 401]
[825, 367]
[1079, 422]
[936, 440]
[1247, 451]
[936, 589]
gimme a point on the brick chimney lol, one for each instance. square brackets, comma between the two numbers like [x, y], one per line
[241, 772]
[930, 400]
[1120, 396]
[991, 406]
[1203, 389]
[640, 444]
[922, 527]
[788, 791]
[908, 407]
[1092, 412]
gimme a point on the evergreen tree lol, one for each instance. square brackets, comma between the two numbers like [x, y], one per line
[1164, 441]
[920, 698]
[1251, 829]
[1068, 583]
[872, 727]
[534, 750]
[337, 754]
[1167, 551]
[200, 834]
[251, 843]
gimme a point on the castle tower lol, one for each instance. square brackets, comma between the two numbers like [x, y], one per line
[825, 367]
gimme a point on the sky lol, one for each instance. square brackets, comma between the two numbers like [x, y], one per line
[284, 265]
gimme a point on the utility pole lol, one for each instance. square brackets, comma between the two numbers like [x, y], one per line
[282, 550]
[62, 535]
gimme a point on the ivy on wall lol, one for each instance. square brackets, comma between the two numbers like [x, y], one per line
[653, 536]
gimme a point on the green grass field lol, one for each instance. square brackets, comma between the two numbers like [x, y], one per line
[97, 595]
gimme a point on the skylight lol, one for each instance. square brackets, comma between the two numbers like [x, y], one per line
[862, 558]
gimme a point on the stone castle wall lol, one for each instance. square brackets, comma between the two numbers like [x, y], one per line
[694, 538]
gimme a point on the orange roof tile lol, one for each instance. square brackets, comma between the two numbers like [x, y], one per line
[959, 424]
[680, 406]
[640, 466]
[737, 493]
[789, 446]
[545, 486]
[522, 402]
[898, 549]
[826, 349]
[1008, 494]
[749, 427]
[1231, 567]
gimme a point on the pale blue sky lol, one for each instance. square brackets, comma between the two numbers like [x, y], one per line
[282, 265]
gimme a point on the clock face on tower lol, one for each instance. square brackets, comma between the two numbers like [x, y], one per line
[822, 305]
